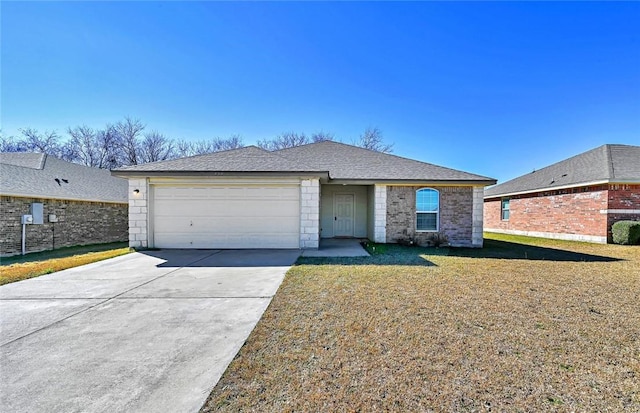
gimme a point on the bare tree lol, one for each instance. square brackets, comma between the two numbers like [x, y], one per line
[129, 135]
[283, 141]
[10, 144]
[371, 139]
[46, 142]
[322, 136]
[156, 147]
[232, 142]
[95, 148]
[185, 148]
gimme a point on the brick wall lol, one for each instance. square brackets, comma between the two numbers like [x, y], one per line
[624, 204]
[584, 214]
[79, 223]
[456, 214]
[623, 196]
[575, 216]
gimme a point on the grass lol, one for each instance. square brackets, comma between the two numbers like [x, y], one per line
[522, 325]
[19, 268]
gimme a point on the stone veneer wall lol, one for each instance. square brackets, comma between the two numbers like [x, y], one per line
[138, 213]
[309, 213]
[380, 214]
[477, 235]
[79, 223]
[456, 214]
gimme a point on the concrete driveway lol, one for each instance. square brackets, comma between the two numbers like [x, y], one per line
[145, 332]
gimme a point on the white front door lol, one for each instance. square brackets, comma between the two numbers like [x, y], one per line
[343, 215]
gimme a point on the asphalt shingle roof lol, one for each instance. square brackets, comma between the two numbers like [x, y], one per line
[339, 160]
[34, 175]
[610, 163]
[351, 162]
[247, 159]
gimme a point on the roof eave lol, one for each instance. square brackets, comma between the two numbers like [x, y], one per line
[140, 174]
[465, 182]
[63, 198]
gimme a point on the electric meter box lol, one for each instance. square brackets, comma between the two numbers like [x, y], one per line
[37, 211]
[26, 219]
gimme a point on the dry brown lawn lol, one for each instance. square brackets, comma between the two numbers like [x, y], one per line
[34, 265]
[546, 326]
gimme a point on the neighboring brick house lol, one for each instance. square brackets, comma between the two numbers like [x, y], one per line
[576, 199]
[292, 198]
[80, 205]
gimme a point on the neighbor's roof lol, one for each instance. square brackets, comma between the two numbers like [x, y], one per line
[338, 160]
[606, 163]
[34, 175]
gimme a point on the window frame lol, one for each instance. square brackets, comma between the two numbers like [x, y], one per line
[436, 212]
[503, 202]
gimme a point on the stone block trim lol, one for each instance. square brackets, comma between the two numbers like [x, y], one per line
[309, 213]
[138, 213]
[456, 214]
[477, 238]
[79, 223]
[380, 214]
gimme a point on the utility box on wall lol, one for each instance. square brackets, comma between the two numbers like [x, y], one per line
[37, 211]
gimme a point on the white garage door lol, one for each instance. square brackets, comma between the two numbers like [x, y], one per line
[226, 216]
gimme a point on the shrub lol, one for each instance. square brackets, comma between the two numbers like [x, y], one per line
[438, 240]
[626, 232]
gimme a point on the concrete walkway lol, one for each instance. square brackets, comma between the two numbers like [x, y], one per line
[148, 332]
[337, 247]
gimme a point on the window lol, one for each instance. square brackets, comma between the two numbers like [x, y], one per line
[505, 209]
[427, 209]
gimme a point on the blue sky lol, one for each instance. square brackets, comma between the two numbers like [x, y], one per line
[494, 88]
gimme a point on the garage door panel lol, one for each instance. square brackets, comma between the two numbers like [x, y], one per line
[211, 225]
[229, 216]
[234, 208]
[229, 241]
[244, 193]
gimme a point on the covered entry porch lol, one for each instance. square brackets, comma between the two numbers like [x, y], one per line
[347, 211]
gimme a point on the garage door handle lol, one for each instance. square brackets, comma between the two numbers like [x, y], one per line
[335, 218]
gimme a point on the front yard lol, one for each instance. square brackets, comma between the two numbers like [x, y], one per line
[521, 325]
[22, 267]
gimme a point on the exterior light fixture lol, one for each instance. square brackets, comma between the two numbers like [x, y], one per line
[136, 191]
